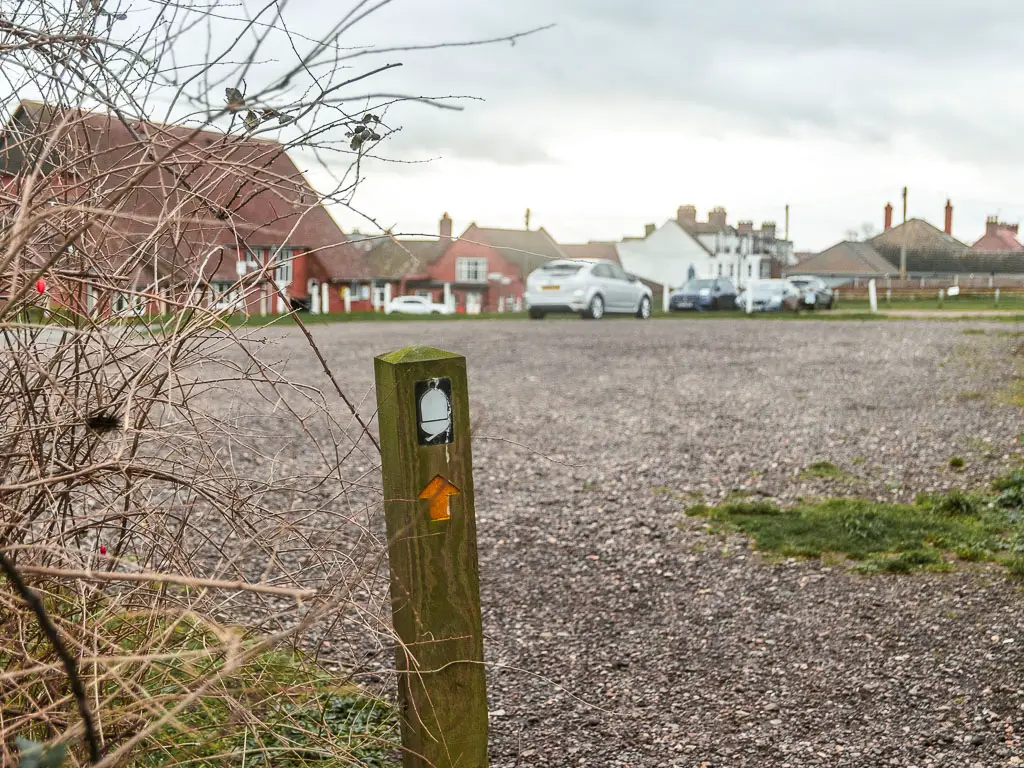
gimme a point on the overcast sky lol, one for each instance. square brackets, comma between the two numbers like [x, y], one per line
[625, 110]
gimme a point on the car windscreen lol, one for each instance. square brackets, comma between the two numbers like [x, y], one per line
[696, 285]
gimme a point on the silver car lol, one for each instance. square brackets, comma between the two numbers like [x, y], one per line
[591, 287]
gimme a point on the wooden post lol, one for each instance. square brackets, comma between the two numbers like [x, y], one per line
[873, 295]
[423, 411]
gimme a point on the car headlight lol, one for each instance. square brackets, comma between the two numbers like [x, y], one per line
[705, 292]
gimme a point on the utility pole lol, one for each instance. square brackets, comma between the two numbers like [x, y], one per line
[787, 221]
[903, 239]
[527, 219]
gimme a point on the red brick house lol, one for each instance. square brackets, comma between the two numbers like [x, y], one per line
[483, 270]
[228, 216]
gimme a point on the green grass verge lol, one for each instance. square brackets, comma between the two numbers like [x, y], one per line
[276, 709]
[931, 533]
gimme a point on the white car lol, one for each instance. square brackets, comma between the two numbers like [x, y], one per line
[417, 305]
[591, 287]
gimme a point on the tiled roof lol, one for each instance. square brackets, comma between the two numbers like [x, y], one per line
[1000, 240]
[267, 199]
[391, 258]
[592, 250]
[848, 258]
[916, 234]
[528, 249]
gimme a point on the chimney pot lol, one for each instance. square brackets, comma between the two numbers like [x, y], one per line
[768, 229]
[687, 215]
[991, 225]
[717, 217]
[949, 217]
[745, 227]
[446, 228]
[888, 216]
[649, 229]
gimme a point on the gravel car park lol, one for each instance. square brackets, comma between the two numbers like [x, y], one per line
[620, 632]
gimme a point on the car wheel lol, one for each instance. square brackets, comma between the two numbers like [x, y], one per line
[536, 314]
[595, 310]
[644, 311]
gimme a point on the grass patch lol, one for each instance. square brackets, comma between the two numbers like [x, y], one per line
[276, 709]
[957, 462]
[889, 537]
[973, 332]
[969, 396]
[823, 470]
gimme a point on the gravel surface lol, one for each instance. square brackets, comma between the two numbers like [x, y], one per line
[622, 633]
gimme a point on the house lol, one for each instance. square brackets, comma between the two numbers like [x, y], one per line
[230, 217]
[846, 261]
[744, 252]
[999, 237]
[399, 266]
[684, 248]
[930, 253]
[668, 255]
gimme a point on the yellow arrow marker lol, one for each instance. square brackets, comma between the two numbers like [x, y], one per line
[437, 492]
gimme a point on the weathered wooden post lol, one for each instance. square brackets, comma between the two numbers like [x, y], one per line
[423, 412]
[872, 295]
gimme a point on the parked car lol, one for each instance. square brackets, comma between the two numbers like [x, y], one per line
[773, 296]
[417, 305]
[591, 287]
[701, 294]
[816, 292]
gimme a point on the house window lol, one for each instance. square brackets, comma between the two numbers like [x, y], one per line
[471, 270]
[750, 270]
[282, 261]
[719, 269]
[732, 270]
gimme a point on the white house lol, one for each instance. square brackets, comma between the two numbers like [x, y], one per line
[668, 255]
[684, 248]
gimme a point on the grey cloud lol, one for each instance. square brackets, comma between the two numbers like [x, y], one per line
[856, 72]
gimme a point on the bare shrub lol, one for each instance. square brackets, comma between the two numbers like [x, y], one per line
[180, 526]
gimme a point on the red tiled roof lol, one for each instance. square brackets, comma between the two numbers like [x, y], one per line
[1000, 240]
[221, 189]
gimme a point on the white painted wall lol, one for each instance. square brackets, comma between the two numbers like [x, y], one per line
[666, 255]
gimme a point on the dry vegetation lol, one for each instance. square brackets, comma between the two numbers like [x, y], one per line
[132, 629]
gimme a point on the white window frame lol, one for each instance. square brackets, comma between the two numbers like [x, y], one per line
[466, 266]
[282, 263]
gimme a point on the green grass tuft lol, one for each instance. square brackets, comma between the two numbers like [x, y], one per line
[823, 469]
[957, 462]
[883, 536]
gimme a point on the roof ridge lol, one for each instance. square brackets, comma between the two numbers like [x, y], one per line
[155, 123]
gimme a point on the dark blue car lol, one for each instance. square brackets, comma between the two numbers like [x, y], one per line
[704, 294]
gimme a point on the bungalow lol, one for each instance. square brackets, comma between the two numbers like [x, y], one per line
[227, 216]
[930, 253]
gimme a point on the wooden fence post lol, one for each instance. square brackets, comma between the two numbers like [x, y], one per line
[423, 412]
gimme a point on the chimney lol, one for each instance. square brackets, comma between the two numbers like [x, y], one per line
[649, 229]
[446, 228]
[949, 217]
[745, 227]
[717, 218]
[888, 216]
[991, 225]
[768, 230]
[687, 215]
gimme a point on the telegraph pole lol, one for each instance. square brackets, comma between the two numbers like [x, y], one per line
[903, 240]
[787, 221]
